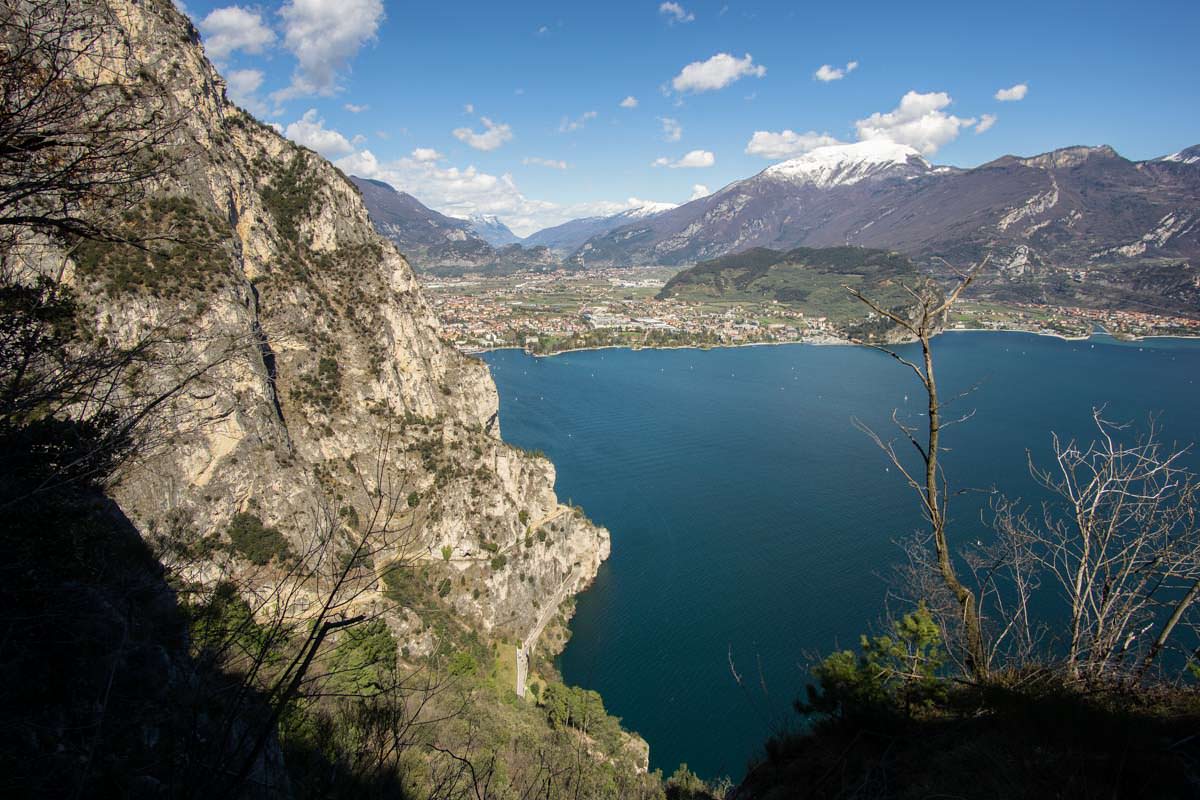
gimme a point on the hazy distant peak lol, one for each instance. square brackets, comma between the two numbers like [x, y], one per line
[491, 229]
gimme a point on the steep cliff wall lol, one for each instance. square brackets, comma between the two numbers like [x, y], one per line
[323, 378]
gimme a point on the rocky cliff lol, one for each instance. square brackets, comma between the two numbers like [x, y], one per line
[319, 384]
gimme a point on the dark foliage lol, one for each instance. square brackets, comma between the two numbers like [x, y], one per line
[1025, 737]
[258, 543]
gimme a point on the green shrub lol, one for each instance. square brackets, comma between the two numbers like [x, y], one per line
[444, 587]
[222, 626]
[174, 247]
[524, 517]
[256, 542]
[414, 499]
[290, 195]
[498, 562]
[403, 585]
[583, 710]
[447, 551]
[463, 663]
[892, 674]
[363, 659]
[349, 559]
[686, 785]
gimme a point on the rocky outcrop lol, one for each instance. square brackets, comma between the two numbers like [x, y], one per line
[319, 387]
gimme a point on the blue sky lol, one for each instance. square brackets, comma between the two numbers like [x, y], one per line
[516, 108]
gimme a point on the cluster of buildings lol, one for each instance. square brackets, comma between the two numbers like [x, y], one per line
[1074, 320]
[575, 309]
[561, 310]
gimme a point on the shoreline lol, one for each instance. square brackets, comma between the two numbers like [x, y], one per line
[834, 342]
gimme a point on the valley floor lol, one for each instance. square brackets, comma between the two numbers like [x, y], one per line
[557, 312]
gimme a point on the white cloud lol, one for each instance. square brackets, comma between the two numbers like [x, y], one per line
[356, 109]
[786, 143]
[426, 154]
[629, 102]
[1012, 93]
[494, 134]
[324, 36]
[568, 125]
[675, 13]
[242, 84]
[542, 30]
[310, 131]
[227, 30]
[671, 129]
[918, 122]
[694, 159]
[544, 162]
[716, 73]
[986, 121]
[699, 190]
[826, 73]
[462, 192]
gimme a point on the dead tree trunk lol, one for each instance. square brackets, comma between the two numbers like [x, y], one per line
[922, 322]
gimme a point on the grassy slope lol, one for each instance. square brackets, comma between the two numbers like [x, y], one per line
[812, 280]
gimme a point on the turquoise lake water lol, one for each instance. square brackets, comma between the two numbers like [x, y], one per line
[752, 521]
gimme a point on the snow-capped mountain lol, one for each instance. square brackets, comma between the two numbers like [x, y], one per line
[771, 209]
[1190, 155]
[565, 238]
[847, 164]
[489, 228]
[1074, 221]
[645, 208]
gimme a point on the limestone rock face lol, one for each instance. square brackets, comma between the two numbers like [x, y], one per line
[319, 384]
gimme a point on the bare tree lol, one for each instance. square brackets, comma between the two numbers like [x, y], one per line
[922, 322]
[1008, 575]
[1121, 541]
[83, 128]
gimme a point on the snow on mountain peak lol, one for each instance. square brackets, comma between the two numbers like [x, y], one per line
[845, 164]
[646, 208]
[1190, 155]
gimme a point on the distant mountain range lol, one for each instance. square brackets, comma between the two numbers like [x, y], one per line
[436, 243]
[1077, 225]
[489, 228]
[569, 236]
[1075, 206]
[1081, 224]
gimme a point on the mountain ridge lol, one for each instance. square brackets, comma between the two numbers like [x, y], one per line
[492, 230]
[439, 243]
[1076, 215]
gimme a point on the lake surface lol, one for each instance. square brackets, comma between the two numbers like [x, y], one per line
[751, 521]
